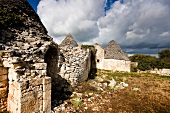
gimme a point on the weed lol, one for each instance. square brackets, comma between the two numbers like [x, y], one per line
[77, 101]
[112, 88]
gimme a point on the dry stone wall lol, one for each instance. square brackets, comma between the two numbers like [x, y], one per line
[76, 64]
[163, 72]
[3, 85]
[28, 78]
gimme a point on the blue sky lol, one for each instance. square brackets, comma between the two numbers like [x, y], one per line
[138, 26]
[34, 4]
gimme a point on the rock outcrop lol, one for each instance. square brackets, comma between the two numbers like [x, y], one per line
[113, 51]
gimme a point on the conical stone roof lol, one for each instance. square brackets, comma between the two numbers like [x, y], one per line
[113, 51]
[69, 41]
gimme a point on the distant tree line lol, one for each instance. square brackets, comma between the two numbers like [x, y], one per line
[147, 62]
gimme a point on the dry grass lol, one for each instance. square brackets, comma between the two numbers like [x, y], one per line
[152, 94]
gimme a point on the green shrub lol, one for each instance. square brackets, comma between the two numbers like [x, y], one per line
[164, 54]
[133, 69]
[87, 46]
[147, 62]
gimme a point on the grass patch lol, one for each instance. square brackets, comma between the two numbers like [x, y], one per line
[87, 47]
[77, 101]
[165, 77]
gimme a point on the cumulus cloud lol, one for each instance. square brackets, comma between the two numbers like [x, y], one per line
[141, 26]
[78, 17]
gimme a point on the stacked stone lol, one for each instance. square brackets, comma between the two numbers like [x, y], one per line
[24, 58]
[76, 65]
[3, 85]
[113, 51]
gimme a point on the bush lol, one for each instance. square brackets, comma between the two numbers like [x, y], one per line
[87, 46]
[133, 68]
[147, 62]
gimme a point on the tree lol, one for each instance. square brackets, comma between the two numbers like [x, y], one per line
[164, 55]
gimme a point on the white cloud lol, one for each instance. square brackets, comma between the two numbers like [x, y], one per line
[165, 34]
[134, 24]
[78, 17]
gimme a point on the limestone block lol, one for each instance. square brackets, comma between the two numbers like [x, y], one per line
[36, 82]
[17, 65]
[30, 102]
[40, 66]
[1, 63]
[6, 63]
[46, 80]
[13, 75]
[6, 54]
[47, 87]
[14, 59]
[19, 44]
[40, 60]
[47, 94]
[3, 71]
[24, 33]
[3, 83]
[66, 76]
[13, 107]
[3, 92]
[3, 78]
[47, 101]
[3, 105]
[25, 46]
[38, 72]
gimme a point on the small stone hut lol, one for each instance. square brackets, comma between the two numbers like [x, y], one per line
[112, 58]
[113, 51]
[69, 41]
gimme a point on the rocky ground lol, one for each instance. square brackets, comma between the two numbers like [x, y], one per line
[118, 93]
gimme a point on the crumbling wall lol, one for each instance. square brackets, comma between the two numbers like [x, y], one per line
[76, 64]
[29, 83]
[3, 85]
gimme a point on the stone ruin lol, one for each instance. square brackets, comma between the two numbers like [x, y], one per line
[112, 58]
[76, 61]
[33, 68]
[113, 51]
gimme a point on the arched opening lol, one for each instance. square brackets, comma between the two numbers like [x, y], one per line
[59, 84]
[51, 58]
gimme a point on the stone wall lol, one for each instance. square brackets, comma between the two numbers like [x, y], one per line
[29, 81]
[3, 86]
[110, 64]
[164, 72]
[115, 65]
[76, 64]
[23, 90]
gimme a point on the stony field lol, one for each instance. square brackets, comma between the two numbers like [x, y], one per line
[118, 93]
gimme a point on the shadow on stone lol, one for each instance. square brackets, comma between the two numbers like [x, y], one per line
[93, 69]
[60, 92]
[60, 89]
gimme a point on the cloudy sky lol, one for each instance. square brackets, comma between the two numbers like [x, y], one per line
[138, 26]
